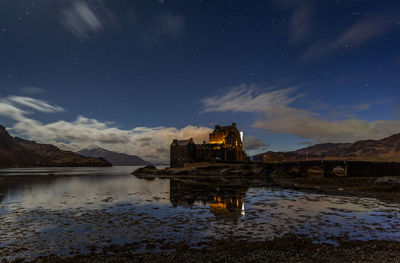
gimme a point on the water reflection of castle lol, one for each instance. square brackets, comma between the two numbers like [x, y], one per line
[227, 207]
[225, 201]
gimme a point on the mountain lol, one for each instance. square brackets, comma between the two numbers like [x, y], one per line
[117, 159]
[387, 149]
[17, 152]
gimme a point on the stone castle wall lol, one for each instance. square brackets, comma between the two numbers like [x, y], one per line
[225, 145]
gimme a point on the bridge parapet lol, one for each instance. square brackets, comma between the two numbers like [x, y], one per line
[373, 169]
[334, 168]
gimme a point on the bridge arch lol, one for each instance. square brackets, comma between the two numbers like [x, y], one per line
[334, 169]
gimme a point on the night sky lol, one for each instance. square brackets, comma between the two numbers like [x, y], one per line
[130, 75]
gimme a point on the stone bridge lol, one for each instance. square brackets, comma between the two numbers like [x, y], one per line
[336, 168]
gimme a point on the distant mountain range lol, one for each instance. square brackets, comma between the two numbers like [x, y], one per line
[17, 152]
[387, 149]
[117, 159]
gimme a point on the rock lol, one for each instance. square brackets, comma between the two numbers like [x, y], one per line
[224, 180]
[257, 171]
[180, 172]
[388, 180]
[148, 169]
[235, 172]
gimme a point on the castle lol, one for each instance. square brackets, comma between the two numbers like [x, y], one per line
[225, 144]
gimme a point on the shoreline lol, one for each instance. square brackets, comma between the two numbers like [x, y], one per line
[283, 249]
[368, 187]
[289, 248]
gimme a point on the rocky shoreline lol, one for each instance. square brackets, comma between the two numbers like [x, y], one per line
[233, 180]
[384, 188]
[285, 249]
[202, 169]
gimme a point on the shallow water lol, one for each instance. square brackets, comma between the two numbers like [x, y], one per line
[94, 207]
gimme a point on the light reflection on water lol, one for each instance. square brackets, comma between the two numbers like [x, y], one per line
[70, 214]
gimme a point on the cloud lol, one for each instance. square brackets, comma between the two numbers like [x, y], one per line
[354, 36]
[30, 90]
[170, 24]
[10, 111]
[348, 111]
[321, 131]
[81, 19]
[281, 117]
[245, 99]
[163, 25]
[253, 143]
[35, 104]
[300, 22]
[11, 107]
[150, 143]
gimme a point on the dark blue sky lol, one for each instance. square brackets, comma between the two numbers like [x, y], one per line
[128, 64]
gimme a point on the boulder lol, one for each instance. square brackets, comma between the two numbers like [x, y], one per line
[388, 180]
[148, 169]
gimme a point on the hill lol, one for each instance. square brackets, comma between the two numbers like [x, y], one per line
[117, 159]
[17, 152]
[386, 149]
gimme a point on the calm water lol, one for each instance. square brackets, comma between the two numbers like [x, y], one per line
[94, 207]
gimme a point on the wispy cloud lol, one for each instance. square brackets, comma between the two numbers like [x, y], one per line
[30, 90]
[170, 24]
[162, 26]
[150, 143]
[10, 111]
[82, 19]
[252, 144]
[17, 107]
[86, 18]
[300, 21]
[281, 117]
[35, 104]
[348, 111]
[354, 36]
[245, 99]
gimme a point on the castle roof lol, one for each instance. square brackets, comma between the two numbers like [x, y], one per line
[225, 128]
[183, 142]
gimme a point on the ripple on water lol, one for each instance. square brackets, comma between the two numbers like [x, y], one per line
[70, 215]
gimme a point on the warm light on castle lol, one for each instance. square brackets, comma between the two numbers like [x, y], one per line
[225, 144]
